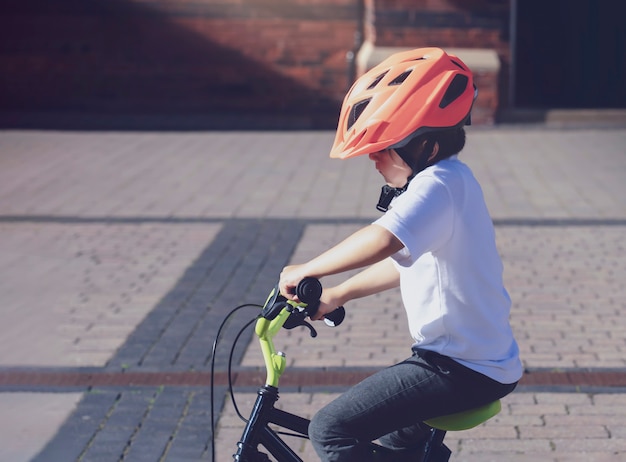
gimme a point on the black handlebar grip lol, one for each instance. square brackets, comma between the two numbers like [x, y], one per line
[309, 290]
[336, 317]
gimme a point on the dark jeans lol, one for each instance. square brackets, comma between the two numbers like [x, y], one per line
[392, 404]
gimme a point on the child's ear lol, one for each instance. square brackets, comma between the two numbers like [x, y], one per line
[430, 147]
[435, 151]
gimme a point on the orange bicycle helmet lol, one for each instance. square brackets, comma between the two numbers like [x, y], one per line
[406, 95]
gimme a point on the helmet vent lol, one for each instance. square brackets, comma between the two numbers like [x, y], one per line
[401, 78]
[455, 89]
[376, 80]
[457, 64]
[356, 112]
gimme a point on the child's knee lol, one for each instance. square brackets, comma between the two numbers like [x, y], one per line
[318, 427]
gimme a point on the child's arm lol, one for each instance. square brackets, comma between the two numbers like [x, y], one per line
[367, 246]
[377, 278]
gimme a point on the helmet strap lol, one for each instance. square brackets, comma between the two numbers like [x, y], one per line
[388, 193]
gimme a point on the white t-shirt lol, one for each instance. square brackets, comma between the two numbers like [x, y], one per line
[451, 272]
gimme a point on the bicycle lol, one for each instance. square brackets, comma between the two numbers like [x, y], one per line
[277, 313]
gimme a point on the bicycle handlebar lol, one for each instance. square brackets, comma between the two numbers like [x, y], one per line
[279, 312]
[308, 291]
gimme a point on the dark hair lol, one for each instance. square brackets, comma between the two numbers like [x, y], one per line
[418, 150]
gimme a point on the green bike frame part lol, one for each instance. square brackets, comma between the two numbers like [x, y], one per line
[266, 329]
[275, 362]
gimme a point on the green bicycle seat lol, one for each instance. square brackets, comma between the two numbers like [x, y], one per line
[466, 419]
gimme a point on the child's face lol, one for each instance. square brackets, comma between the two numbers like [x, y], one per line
[391, 166]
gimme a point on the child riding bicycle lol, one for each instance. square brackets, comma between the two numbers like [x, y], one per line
[435, 241]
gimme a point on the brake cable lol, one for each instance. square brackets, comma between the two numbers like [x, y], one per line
[213, 351]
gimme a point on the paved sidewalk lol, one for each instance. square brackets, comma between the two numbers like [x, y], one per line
[121, 253]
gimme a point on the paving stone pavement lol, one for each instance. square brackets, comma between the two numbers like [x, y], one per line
[121, 252]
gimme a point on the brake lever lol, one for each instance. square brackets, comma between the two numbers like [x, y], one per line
[309, 291]
[296, 319]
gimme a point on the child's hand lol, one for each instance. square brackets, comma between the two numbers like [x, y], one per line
[289, 279]
[329, 302]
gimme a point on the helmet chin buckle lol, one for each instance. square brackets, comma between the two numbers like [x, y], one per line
[387, 194]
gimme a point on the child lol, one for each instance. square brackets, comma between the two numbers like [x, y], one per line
[435, 241]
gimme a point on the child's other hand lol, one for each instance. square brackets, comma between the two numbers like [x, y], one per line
[329, 302]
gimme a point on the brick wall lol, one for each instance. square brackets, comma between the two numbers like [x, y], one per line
[280, 58]
[276, 57]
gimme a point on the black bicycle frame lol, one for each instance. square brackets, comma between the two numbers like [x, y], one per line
[257, 429]
[258, 432]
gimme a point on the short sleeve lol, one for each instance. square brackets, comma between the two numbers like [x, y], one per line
[422, 218]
